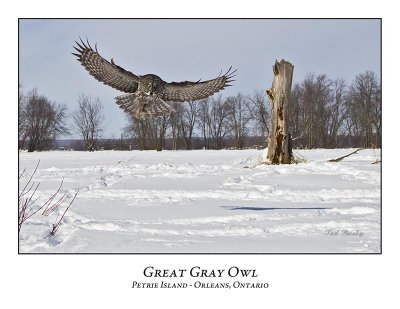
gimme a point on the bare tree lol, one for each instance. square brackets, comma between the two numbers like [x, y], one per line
[22, 121]
[324, 98]
[204, 122]
[176, 125]
[137, 130]
[336, 114]
[329, 114]
[41, 121]
[365, 108]
[239, 118]
[188, 119]
[314, 96]
[297, 116]
[157, 128]
[88, 120]
[309, 105]
[318, 111]
[260, 112]
[217, 122]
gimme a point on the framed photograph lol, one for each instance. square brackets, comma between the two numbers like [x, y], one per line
[200, 136]
[206, 154]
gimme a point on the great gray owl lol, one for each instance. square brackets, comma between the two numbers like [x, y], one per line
[146, 94]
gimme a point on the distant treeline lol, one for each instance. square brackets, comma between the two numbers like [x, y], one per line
[122, 143]
[324, 113]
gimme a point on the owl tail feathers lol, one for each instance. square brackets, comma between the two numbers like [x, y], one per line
[158, 108]
[142, 107]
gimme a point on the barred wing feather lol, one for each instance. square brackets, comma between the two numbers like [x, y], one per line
[104, 71]
[191, 91]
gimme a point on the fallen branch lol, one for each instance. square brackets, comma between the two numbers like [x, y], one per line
[295, 138]
[348, 155]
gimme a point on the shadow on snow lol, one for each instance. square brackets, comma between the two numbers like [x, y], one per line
[274, 208]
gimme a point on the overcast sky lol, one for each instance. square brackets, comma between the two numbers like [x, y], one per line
[190, 49]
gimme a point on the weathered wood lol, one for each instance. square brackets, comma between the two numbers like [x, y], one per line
[279, 140]
[342, 157]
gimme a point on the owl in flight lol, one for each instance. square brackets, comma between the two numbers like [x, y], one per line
[146, 95]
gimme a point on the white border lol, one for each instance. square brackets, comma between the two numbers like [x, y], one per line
[104, 281]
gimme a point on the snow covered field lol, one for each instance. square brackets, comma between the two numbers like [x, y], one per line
[206, 201]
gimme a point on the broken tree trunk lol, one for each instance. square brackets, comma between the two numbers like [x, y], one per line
[279, 141]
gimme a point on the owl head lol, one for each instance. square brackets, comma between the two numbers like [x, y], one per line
[151, 84]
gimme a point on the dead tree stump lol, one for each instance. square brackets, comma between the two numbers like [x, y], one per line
[279, 140]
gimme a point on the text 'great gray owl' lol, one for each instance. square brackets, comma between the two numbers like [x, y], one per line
[146, 94]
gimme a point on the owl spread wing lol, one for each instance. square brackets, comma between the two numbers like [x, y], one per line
[106, 72]
[191, 91]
